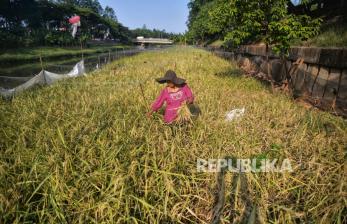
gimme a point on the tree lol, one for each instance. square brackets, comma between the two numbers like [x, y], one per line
[248, 21]
[195, 7]
[198, 23]
[269, 21]
[45, 22]
[220, 18]
[151, 33]
[109, 13]
[91, 4]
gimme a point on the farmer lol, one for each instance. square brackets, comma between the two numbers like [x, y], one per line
[174, 94]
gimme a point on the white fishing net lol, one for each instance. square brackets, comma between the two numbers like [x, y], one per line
[43, 78]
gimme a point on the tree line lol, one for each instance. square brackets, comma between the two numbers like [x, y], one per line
[45, 22]
[273, 22]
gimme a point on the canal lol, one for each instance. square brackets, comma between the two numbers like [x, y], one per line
[14, 74]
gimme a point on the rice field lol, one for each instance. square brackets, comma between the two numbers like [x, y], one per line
[83, 150]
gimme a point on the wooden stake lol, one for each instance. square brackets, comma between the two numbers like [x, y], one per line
[41, 61]
[81, 48]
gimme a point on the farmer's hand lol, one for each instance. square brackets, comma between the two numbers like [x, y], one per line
[189, 101]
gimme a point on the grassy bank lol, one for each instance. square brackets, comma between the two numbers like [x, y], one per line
[332, 34]
[82, 151]
[33, 54]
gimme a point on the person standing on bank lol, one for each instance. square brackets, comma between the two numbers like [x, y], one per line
[174, 94]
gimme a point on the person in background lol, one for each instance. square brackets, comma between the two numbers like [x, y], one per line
[174, 94]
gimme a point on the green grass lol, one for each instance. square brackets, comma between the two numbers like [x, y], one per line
[33, 54]
[83, 151]
[332, 34]
[332, 37]
[217, 43]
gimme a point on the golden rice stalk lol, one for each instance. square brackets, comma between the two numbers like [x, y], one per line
[183, 113]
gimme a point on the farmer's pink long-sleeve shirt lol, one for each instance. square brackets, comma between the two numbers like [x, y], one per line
[173, 101]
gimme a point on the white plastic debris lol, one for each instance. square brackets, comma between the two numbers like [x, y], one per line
[234, 114]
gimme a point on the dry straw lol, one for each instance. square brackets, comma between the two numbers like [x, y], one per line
[184, 114]
[83, 151]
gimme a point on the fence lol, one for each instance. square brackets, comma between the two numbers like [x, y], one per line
[45, 77]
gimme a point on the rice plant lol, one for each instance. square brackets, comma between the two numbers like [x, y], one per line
[83, 150]
[184, 114]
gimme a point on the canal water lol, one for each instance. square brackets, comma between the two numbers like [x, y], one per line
[15, 74]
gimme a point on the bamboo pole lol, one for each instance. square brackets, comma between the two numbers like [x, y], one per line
[41, 63]
[81, 48]
[99, 61]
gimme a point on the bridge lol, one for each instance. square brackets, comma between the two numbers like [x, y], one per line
[142, 40]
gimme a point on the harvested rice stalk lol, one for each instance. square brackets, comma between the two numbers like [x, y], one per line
[184, 114]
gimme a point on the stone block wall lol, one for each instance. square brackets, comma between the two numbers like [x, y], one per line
[322, 78]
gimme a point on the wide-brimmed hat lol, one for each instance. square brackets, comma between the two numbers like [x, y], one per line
[171, 76]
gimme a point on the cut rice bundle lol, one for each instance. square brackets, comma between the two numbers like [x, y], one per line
[184, 114]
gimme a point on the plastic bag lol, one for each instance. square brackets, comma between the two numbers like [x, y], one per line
[234, 114]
